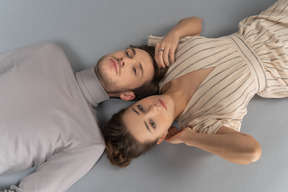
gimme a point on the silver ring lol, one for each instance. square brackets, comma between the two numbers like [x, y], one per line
[159, 50]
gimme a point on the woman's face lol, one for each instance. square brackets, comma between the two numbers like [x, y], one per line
[150, 118]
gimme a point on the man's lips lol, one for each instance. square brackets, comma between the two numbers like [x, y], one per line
[163, 104]
[115, 65]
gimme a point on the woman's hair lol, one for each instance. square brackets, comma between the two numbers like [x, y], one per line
[151, 87]
[121, 146]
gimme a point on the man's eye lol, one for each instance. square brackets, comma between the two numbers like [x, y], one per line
[127, 54]
[152, 123]
[140, 108]
[135, 71]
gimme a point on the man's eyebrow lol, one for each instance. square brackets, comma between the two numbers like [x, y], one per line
[133, 50]
[147, 127]
[141, 69]
[136, 111]
[140, 64]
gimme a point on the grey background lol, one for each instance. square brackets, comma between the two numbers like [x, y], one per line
[88, 29]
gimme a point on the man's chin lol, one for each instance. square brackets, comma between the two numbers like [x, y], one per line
[107, 83]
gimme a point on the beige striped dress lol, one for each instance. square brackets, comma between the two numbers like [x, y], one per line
[252, 61]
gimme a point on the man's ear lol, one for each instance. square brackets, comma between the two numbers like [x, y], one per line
[161, 138]
[127, 96]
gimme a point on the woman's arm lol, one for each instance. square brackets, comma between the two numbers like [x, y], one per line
[191, 26]
[227, 143]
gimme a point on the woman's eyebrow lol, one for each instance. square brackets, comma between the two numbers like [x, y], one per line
[147, 127]
[136, 111]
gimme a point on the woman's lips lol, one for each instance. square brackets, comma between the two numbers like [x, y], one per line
[163, 104]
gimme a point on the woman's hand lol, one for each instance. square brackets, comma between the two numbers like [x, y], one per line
[176, 137]
[165, 50]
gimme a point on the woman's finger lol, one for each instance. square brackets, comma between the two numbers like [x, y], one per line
[156, 55]
[166, 56]
[159, 56]
[172, 54]
[172, 131]
[173, 140]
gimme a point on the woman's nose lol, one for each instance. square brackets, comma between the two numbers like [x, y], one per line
[155, 107]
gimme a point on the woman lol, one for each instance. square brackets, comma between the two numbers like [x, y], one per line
[207, 90]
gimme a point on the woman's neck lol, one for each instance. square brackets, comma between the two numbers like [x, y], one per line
[179, 97]
[183, 88]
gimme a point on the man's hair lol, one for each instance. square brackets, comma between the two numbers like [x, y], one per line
[121, 146]
[150, 88]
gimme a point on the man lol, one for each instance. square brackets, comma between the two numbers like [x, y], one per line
[129, 74]
[47, 116]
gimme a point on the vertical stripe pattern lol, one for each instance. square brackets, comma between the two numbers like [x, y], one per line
[252, 61]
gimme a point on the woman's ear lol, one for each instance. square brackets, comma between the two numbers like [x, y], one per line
[161, 138]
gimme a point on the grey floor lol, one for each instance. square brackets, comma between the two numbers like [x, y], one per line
[88, 29]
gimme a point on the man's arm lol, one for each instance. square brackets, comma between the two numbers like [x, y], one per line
[60, 171]
[165, 49]
[9, 59]
[227, 143]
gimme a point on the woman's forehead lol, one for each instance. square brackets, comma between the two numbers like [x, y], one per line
[135, 125]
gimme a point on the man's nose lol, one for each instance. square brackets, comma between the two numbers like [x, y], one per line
[120, 61]
[123, 62]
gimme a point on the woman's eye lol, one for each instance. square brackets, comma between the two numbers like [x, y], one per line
[153, 124]
[140, 108]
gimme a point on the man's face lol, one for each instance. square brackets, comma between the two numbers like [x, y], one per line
[125, 70]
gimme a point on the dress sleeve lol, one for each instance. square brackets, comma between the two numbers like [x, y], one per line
[153, 40]
[60, 171]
